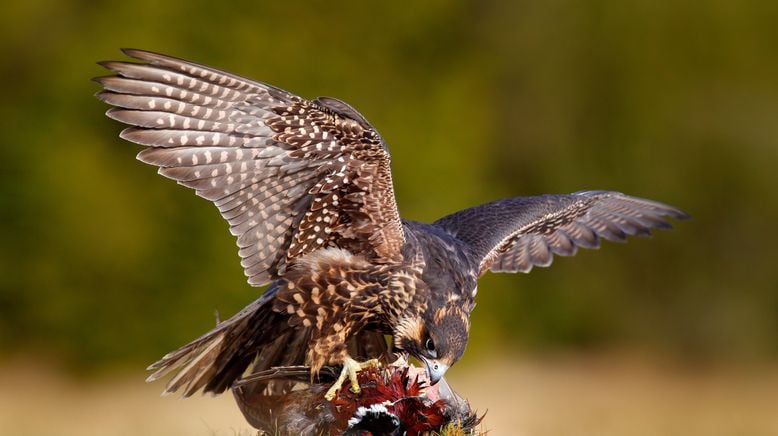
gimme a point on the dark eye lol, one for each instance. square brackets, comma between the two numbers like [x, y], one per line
[430, 344]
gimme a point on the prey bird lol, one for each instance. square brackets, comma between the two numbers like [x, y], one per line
[396, 400]
[307, 190]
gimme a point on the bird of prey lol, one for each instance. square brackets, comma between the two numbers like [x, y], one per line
[307, 190]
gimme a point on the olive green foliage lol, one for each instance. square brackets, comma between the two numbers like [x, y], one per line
[103, 262]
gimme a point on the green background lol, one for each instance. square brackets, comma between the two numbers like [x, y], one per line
[104, 264]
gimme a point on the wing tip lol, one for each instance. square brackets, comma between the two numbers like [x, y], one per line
[116, 113]
[128, 133]
[101, 79]
[151, 57]
[137, 53]
[108, 65]
[144, 157]
[139, 135]
[663, 209]
[102, 95]
[678, 214]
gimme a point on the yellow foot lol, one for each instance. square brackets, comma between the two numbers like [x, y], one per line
[350, 369]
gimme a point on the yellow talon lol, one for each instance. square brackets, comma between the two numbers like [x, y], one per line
[350, 369]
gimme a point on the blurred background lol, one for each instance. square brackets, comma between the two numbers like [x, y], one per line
[105, 266]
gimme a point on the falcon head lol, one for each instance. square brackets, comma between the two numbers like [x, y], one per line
[437, 337]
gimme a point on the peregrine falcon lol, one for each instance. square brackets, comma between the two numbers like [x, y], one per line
[307, 190]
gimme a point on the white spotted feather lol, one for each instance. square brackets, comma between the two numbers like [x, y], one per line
[283, 171]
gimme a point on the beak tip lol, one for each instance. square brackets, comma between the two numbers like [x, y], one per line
[435, 371]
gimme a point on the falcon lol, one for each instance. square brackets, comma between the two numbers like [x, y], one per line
[306, 188]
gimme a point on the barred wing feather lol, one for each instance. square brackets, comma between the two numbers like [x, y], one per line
[289, 175]
[515, 234]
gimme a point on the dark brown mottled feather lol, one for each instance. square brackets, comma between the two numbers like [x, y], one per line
[336, 295]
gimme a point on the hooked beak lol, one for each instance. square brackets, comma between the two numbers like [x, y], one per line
[435, 370]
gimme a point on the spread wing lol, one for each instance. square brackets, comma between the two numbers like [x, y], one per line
[289, 175]
[515, 234]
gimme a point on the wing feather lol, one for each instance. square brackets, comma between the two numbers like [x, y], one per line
[515, 234]
[289, 175]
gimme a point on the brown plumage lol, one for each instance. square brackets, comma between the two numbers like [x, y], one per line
[307, 189]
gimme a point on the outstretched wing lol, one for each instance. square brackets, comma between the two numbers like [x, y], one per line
[515, 234]
[289, 175]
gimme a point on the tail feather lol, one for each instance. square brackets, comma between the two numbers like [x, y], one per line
[199, 370]
[175, 359]
[214, 361]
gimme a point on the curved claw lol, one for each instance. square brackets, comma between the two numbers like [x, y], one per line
[350, 369]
